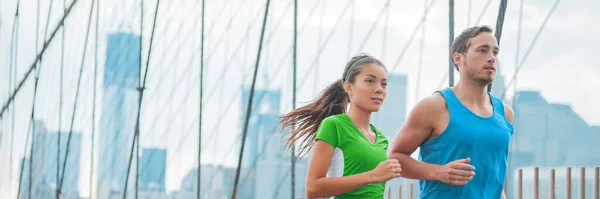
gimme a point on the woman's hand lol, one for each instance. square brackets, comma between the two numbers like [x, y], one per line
[385, 171]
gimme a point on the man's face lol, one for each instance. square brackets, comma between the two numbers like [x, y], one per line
[479, 62]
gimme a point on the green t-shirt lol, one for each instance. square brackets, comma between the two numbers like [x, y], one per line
[353, 153]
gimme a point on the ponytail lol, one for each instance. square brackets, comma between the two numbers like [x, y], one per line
[306, 119]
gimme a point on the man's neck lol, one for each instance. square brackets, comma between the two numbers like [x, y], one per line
[471, 92]
[360, 118]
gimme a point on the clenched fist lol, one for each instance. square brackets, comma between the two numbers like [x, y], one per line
[385, 171]
[457, 172]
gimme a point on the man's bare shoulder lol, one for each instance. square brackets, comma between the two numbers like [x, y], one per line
[431, 104]
[509, 113]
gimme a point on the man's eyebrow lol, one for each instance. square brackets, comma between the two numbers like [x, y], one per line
[487, 46]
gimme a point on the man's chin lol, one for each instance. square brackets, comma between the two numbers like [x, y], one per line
[485, 81]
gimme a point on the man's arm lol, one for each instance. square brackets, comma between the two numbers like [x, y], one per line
[416, 130]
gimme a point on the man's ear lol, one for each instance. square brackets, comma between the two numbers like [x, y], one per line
[457, 58]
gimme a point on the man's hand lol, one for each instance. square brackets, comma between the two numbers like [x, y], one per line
[457, 172]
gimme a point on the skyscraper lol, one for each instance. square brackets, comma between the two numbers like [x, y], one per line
[119, 108]
[153, 164]
[45, 163]
[262, 125]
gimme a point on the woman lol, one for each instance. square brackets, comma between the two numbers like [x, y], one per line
[349, 154]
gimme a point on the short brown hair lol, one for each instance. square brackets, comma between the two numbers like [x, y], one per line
[461, 43]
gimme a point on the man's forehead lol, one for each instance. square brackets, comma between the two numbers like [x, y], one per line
[484, 39]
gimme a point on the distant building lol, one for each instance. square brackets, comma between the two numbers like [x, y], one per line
[119, 108]
[45, 163]
[549, 135]
[152, 167]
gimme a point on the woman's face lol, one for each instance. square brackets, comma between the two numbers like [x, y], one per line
[369, 88]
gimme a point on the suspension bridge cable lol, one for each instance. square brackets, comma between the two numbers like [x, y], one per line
[518, 50]
[32, 122]
[373, 25]
[295, 67]
[23, 162]
[412, 36]
[537, 35]
[450, 41]
[226, 52]
[420, 61]
[319, 41]
[227, 65]
[199, 185]
[483, 11]
[329, 36]
[141, 95]
[385, 32]
[249, 108]
[37, 59]
[137, 138]
[499, 24]
[60, 103]
[12, 77]
[94, 98]
[31, 129]
[238, 138]
[469, 13]
[87, 34]
[171, 44]
[511, 145]
[48, 20]
[351, 28]
[35, 87]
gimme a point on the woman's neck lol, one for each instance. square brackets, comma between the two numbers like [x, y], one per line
[360, 118]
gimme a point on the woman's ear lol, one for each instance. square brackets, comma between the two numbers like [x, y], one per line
[348, 88]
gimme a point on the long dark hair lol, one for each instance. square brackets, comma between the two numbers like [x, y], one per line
[331, 101]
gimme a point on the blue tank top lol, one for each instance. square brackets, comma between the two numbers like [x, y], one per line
[484, 139]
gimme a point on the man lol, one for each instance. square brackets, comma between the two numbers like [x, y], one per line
[463, 132]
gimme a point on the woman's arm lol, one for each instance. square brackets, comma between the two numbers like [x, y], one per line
[319, 186]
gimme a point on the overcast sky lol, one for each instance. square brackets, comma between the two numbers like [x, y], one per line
[561, 65]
